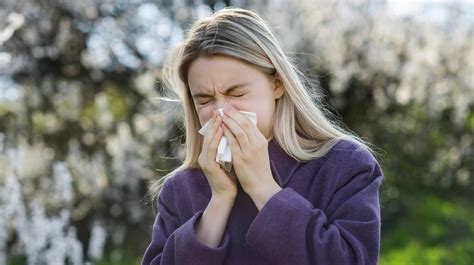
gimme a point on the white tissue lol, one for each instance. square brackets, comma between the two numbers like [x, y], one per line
[223, 154]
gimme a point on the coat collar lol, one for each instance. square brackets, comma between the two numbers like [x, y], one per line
[283, 166]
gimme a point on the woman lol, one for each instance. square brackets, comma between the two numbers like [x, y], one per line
[302, 189]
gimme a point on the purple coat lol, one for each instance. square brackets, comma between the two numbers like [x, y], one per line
[328, 212]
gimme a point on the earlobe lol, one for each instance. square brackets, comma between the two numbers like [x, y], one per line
[278, 88]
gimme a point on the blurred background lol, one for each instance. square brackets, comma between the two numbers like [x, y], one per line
[82, 134]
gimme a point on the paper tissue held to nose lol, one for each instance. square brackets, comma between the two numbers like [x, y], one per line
[223, 154]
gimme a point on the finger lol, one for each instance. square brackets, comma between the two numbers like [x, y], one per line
[245, 123]
[234, 145]
[207, 137]
[209, 134]
[216, 136]
[239, 132]
[257, 134]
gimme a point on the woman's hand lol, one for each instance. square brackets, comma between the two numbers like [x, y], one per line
[250, 158]
[222, 185]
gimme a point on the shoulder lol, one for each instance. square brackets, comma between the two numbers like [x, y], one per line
[348, 160]
[186, 191]
[172, 184]
[185, 185]
[343, 155]
[354, 160]
[345, 152]
[182, 178]
[349, 149]
[193, 177]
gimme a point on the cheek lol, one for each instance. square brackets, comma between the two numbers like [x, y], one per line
[262, 121]
[242, 105]
[204, 113]
[264, 110]
[264, 118]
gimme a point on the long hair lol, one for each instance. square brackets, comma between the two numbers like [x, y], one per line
[303, 126]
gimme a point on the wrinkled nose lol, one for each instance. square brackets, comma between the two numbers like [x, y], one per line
[221, 103]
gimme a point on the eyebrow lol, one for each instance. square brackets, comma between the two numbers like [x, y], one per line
[227, 90]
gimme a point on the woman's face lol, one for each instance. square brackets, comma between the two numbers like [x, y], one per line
[220, 80]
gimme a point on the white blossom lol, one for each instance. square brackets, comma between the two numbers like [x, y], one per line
[97, 241]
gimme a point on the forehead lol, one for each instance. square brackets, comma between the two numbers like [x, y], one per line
[218, 72]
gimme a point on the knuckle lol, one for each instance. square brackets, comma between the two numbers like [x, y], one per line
[217, 135]
[253, 149]
[200, 161]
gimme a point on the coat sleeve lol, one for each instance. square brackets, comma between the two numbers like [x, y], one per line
[175, 243]
[289, 230]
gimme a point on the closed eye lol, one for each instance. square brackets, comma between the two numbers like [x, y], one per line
[204, 103]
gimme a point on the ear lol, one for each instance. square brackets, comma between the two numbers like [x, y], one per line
[278, 88]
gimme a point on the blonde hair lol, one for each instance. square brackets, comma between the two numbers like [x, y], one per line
[300, 127]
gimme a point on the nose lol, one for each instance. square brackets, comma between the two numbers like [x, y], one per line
[221, 103]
